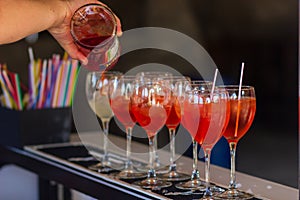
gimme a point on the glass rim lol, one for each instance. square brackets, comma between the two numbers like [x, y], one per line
[178, 77]
[128, 77]
[149, 73]
[236, 87]
[105, 72]
[200, 91]
[196, 82]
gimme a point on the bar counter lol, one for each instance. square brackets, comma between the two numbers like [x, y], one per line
[51, 167]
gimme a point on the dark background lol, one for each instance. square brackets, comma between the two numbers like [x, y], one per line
[261, 33]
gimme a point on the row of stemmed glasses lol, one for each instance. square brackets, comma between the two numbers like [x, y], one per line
[231, 109]
[151, 99]
[174, 87]
[177, 84]
[112, 87]
[121, 91]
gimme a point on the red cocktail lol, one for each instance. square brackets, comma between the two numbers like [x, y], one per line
[197, 108]
[241, 117]
[242, 111]
[122, 110]
[121, 106]
[151, 104]
[174, 117]
[178, 85]
[220, 111]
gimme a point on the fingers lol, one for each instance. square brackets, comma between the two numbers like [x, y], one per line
[83, 59]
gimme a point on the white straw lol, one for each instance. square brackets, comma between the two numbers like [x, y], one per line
[241, 80]
[214, 82]
[239, 103]
[30, 52]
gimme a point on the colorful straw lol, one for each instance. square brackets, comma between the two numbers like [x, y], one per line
[51, 83]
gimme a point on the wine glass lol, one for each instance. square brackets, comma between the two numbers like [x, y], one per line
[120, 92]
[97, 86]
[178, 85]
[160, 77]
[196, 119]
[242, 110]
[150, 104]
[220, 111]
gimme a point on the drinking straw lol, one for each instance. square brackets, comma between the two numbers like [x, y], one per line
[239, 102]
[30, 84]
[30, 53]
[66, 56]
[19, 100]
[19, 94]
[49, 75]
[53, 72]
[7, 97]
[42, 85]
[54, 60]
[214, 82]
[34, 83]
[7, 100]
[36, 70]
[16, 84]
[48, 84]
[56, 72]
[62, 89]
[16, 100]
[72, 84]
[241, 79]
[9, 85]
[69, 66]
[30, 76]
[57, 86]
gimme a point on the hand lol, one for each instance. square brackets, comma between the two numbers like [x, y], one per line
[61, 30]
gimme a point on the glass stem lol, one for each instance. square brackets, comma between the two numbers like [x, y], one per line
[156, 159]
[207, 153]
[151, 172]
[172, 132]
[195, 173]
[128, 164]
[105, 124]
[232, 147]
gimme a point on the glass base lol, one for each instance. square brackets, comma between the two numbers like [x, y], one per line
[191, 185]
[158, 169]
[130, 174]
[105, 168]
[212, 192]
[174, 176]
[234, 194]
[216, 189]
[152, 183]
